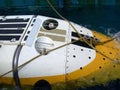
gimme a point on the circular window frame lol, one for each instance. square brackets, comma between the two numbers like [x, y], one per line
[50, 24]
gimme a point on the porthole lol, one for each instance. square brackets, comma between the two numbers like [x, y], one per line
[110, 52]
[74, 56]
[89, 57]
[80, 68]
[113, 66]
[81, 49]
[50, 24]
[100, 67]
[103, 58]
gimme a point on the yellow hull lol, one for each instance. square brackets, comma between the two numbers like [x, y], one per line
[99, 71]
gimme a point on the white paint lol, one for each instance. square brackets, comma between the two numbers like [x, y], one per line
[77, 58]
[43, 44]
[82, 30]
[47, 65]
[21, 35]
[33, 33]
[54, 63]
[6, 56]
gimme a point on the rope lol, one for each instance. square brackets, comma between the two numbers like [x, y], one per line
[81, 38]
[38, 56]
[90, 44]
[104, 42]
[116, 36]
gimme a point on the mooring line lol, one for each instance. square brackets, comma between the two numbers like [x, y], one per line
[38, 57]
[84, 40]
[81, 38]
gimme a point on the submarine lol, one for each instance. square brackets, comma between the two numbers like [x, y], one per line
[54, 54]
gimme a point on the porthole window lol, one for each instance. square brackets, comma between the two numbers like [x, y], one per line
[110, 52]
[113, 66]
[81, 68]
[81, 49]
[50, 24]
[100, 67]
[74, 56]
[89, 57]
[103, 58]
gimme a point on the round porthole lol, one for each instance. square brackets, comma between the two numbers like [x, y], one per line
[50, 24]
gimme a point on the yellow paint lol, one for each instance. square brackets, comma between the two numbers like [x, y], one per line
[31, 81]
[99, 71]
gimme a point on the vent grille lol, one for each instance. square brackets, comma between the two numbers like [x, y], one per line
[13, 20]
[13, 28]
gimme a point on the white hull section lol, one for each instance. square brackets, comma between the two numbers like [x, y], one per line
[61, 61]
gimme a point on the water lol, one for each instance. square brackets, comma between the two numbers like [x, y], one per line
[105, 19]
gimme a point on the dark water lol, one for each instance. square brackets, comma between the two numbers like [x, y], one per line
[105, 19]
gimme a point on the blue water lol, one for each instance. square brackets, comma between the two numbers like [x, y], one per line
[102, 18]
[105, 19]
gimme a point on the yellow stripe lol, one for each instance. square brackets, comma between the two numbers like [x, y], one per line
[32, 81]
[101, 69]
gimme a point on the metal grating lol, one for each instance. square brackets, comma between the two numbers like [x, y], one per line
[13, 28]
[10, 38]
[13, 25]
[82, 43]
[13, 20]
[12, 31]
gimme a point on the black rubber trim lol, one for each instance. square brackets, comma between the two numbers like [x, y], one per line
[74, 34]
[81, 43]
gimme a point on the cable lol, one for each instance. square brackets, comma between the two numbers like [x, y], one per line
[90, 44]
[32, 59]
[14, 65]
[81, 38]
